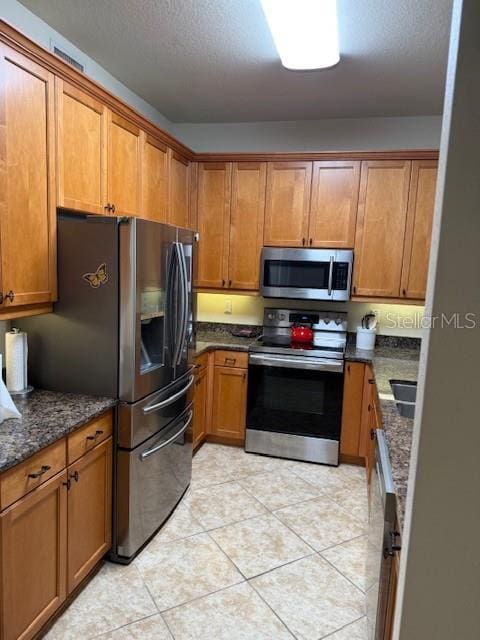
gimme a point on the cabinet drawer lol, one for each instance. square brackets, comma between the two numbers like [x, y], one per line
[31, 473]
[201, 362]
[84, 439]
[238, 359]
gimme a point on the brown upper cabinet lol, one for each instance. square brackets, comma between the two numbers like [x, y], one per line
[81, 150]
[27, 184]
[381, 224]
[231, 203]
[246, 224]
[214, 188]
[287, 204]
[154, 178]
[124, 167]
[419, 229]
[179, 191]
[333, 208]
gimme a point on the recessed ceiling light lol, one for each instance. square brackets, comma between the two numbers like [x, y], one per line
[305, 32]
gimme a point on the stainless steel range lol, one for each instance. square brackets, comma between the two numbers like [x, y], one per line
[295, 385]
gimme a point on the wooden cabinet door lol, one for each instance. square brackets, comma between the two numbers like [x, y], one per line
[246, 224]
[33, 559]
[333, 210]
[213, 212]
[367, 411]
[89, 511]
[81, 150]
[287, 204]
[124, 166]
[27, 181]
[179, 191]
[418, 236]
[381, 222]
[352, 409]
[229, 403]
[200, 407]
[154, 178]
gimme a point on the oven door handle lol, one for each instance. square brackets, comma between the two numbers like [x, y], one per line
[162, 445]
[330, 275]
[170, 400]
[312, 364]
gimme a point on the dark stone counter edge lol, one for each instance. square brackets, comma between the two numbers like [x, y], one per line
[32, 450]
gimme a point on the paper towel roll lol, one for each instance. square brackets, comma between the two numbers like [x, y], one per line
[16, 355]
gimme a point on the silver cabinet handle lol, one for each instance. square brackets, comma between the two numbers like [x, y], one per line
[170, 400]
[162, 445]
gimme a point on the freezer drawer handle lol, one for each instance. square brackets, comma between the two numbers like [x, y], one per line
[170, 400]
[150, 452]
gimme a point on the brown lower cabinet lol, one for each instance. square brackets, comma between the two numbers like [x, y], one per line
[200, 406]
[220, 398]
[51, 538]
[360, 415]
[89, 512]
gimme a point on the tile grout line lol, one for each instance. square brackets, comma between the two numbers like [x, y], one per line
[341, 573]
[329, 635]
[273, 611]
[122, 626]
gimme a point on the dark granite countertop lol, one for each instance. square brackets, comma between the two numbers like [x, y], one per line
[388, 362]
[47, 416]
[211, 340]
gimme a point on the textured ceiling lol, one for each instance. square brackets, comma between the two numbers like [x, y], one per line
[214, 60]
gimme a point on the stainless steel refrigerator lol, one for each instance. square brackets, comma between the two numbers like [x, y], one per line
[123, 327]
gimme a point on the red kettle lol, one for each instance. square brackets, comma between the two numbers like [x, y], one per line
[301, 333]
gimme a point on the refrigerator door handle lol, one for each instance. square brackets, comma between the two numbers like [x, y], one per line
[164, 444]
[168, 401]
[183, 263]
[183, 289]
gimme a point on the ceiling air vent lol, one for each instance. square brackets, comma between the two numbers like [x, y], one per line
[68, 58]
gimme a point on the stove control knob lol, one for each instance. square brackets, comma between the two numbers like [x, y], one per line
[271, 316]
[326, 320]
[338, 321]
[281, 316]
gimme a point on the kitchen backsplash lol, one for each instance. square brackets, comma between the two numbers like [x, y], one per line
[393, 320]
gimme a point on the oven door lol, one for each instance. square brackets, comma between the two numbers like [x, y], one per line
[312, 274]
[296, 397]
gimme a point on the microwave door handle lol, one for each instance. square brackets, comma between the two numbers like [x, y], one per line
[330, 275]
[162, 445]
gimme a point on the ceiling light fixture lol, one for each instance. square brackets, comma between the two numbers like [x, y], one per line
[305, 32]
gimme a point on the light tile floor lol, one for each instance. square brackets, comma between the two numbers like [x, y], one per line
[259, 549]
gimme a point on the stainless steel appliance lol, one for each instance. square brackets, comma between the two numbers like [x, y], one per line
[295, 392]
[123, 327]
[382, 539]
[312, 274]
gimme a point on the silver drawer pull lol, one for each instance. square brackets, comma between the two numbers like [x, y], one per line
[170, 400]
[162, 445]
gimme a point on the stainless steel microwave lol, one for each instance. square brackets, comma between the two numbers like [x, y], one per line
[311, 274]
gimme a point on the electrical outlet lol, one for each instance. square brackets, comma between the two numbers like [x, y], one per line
[228, 307]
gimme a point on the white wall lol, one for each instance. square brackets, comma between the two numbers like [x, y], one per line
[393, 320]
[439, 591]
[314, 135]
[362, 134]
[39, 31]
